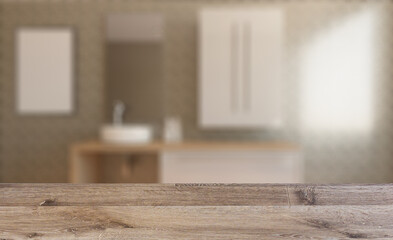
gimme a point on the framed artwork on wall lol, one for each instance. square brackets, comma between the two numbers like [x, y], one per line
[45, 70]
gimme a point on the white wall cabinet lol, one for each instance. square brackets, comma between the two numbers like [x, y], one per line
[240, 66]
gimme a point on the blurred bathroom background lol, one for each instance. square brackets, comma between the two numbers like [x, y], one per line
[337, 72]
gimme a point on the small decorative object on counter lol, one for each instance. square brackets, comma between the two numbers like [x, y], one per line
[173, 131]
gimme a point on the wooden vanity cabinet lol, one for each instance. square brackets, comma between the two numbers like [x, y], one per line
[187, 162]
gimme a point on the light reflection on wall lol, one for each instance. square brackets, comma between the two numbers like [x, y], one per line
[337, 77]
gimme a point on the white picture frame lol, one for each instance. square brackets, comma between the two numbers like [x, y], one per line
[45, 70]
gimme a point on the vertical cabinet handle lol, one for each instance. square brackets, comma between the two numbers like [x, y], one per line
[240, 88]
[234, 58]
[246, 66]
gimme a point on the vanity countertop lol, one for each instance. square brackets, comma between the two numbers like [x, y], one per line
[101, 147]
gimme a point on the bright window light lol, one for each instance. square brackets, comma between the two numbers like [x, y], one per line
[337, 83]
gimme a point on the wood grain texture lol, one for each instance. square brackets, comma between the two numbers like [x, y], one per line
[195, 211]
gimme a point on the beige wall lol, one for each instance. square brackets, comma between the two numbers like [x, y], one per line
[35, 148]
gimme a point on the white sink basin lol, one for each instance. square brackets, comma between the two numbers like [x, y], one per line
[127, 134]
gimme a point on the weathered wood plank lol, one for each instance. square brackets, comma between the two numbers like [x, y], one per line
[195, 211]
[197, 222]
[141, 195]
[193, 195]
[341, 194]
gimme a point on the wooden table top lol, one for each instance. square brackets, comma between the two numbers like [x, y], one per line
[195, 211]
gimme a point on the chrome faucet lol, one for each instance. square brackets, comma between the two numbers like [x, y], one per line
[118, 112]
